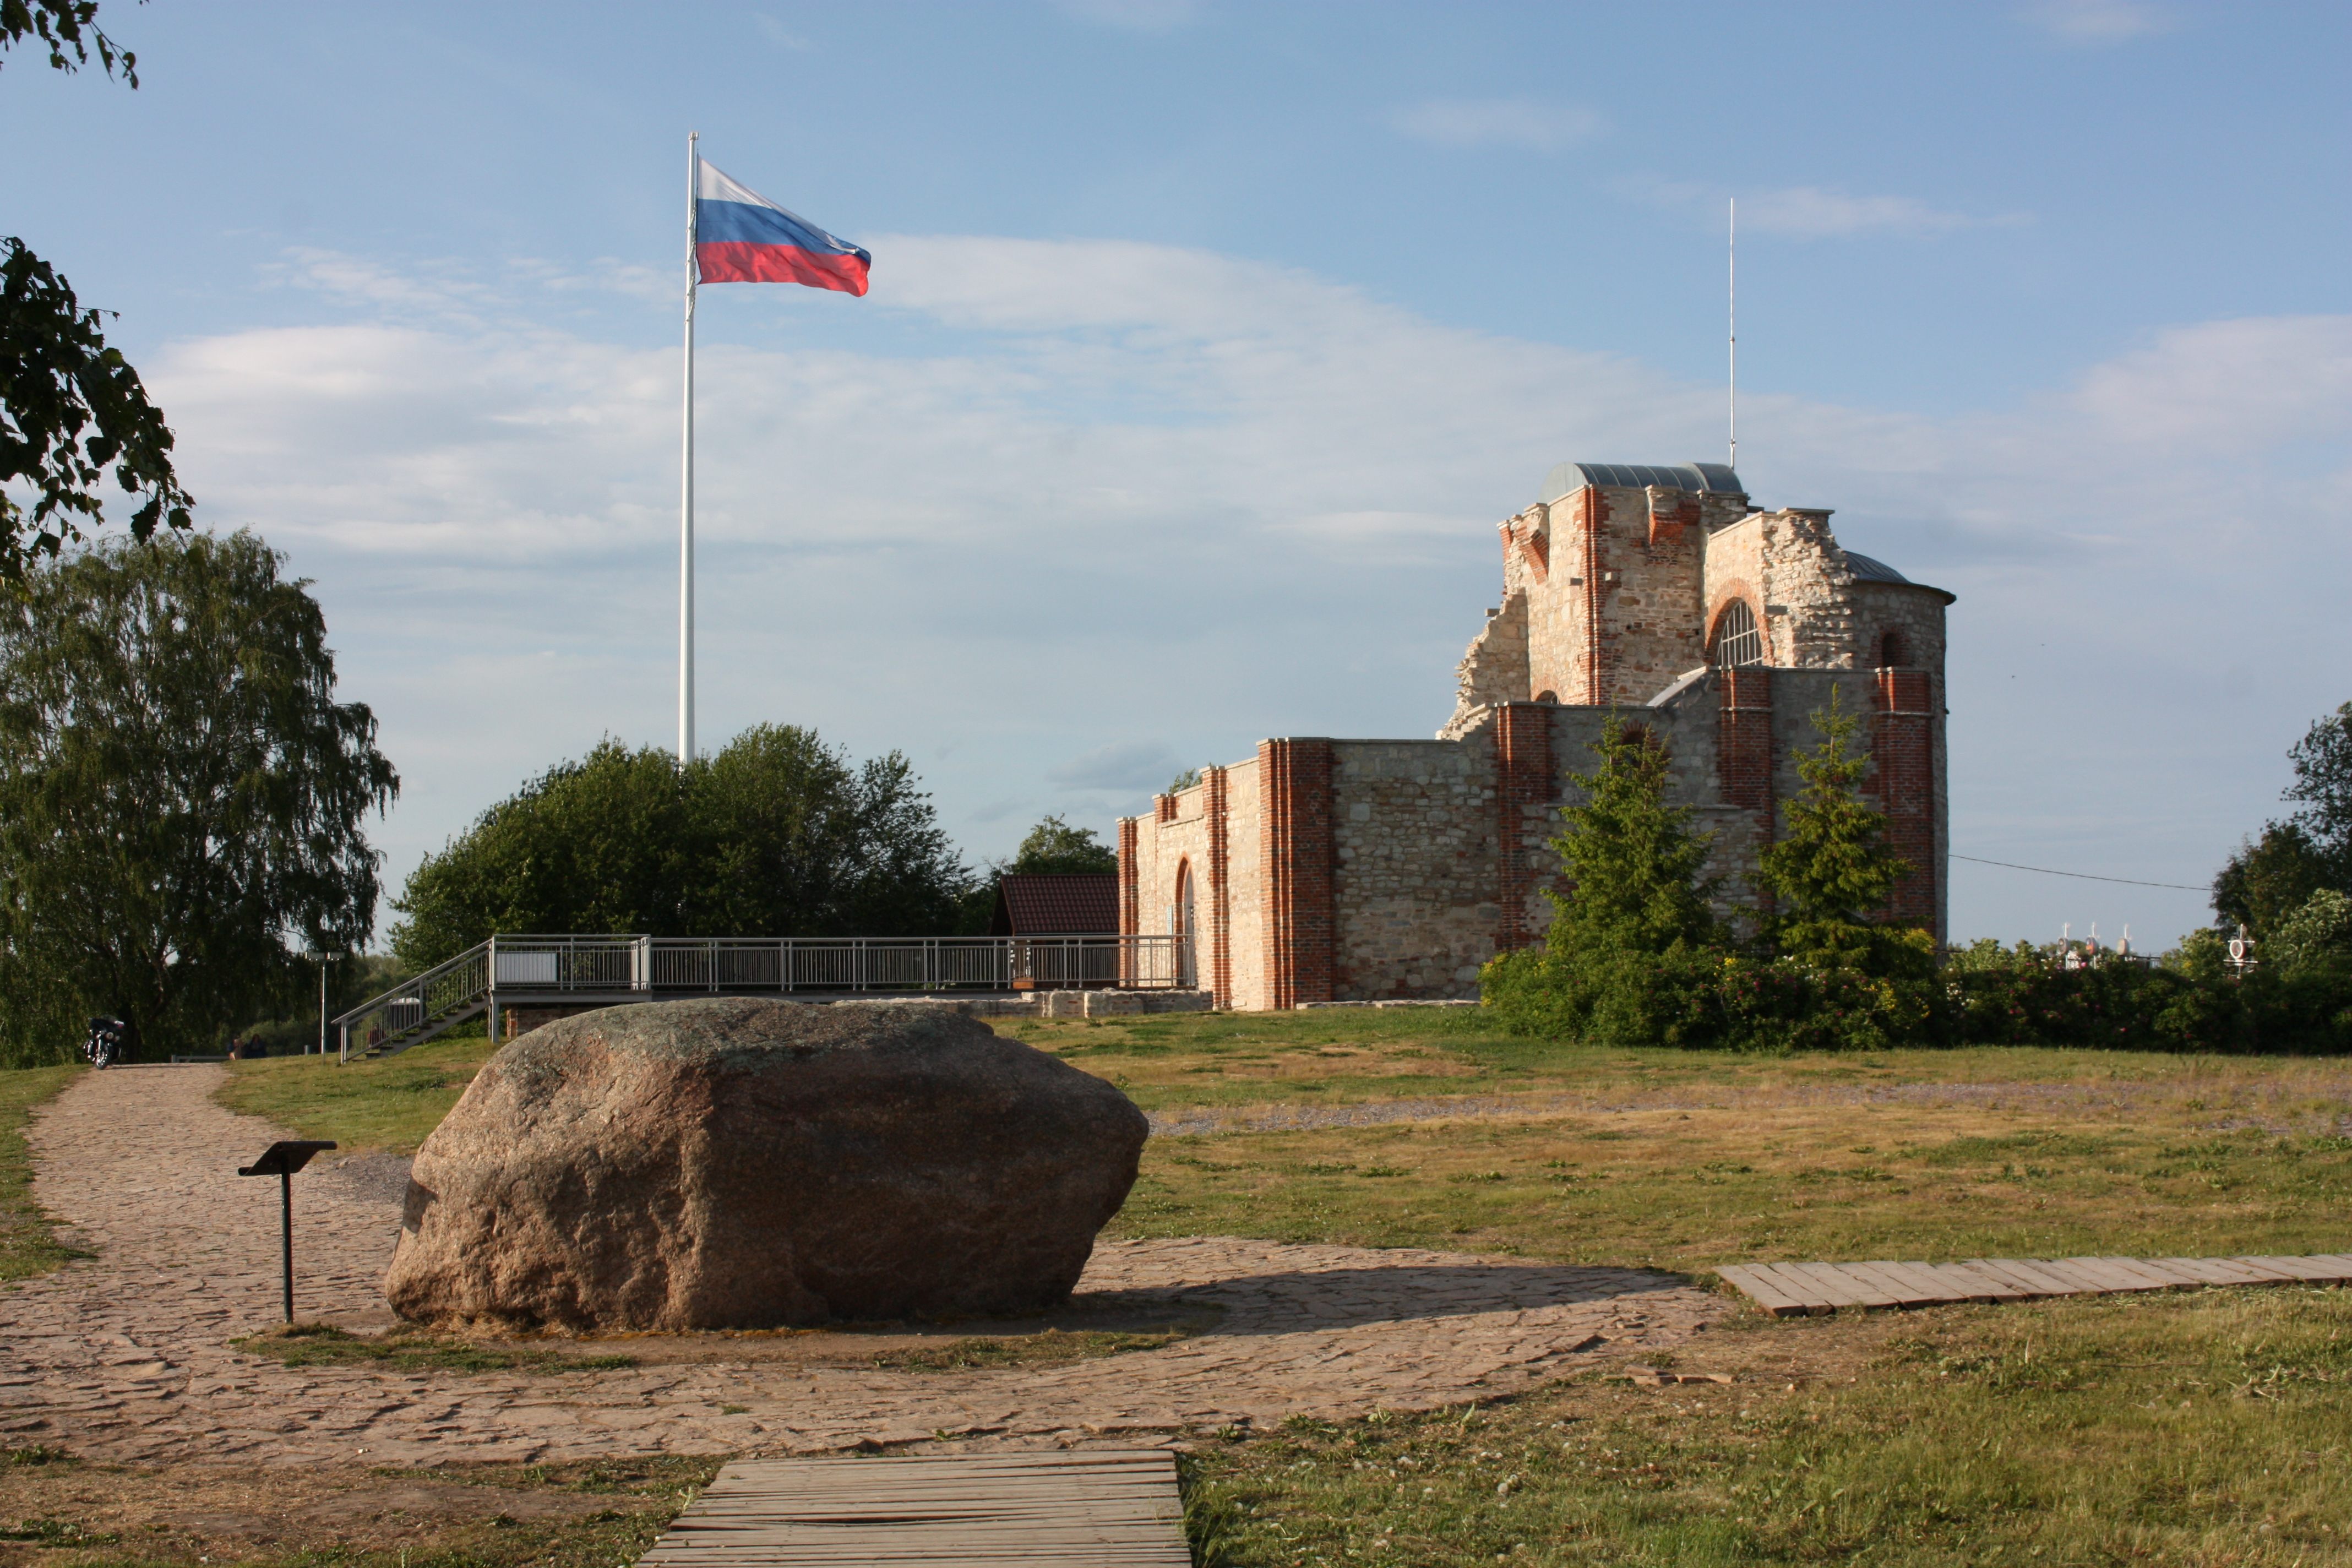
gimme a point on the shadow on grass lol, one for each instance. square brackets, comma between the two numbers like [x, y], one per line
[1306, 1299]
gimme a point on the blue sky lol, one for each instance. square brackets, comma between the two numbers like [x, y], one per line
[1206, 344]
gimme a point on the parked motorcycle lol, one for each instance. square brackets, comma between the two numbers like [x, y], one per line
[106, 1038]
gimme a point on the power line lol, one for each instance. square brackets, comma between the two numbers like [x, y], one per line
[2084, 875]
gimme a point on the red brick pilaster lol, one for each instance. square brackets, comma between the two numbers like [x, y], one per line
[1523, 778]
[1902, 745]
[1214, 787]
[1295, 781]
[1131, 912]
[1591, 515]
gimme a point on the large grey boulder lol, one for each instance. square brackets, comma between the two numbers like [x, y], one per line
[751, 1164]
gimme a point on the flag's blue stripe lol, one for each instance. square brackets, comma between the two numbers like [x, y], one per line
[720, 222]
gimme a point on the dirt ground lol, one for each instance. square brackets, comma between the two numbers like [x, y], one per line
[203, 1513]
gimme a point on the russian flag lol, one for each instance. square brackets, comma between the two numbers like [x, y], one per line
[742, 236]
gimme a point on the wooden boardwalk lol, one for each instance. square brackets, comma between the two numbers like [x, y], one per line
[1079, 1507]
[1795, 1289]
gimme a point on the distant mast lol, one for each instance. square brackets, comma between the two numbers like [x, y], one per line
[1731, 290]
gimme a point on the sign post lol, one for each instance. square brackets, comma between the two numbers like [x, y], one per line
[323, 960]
[281, 1160]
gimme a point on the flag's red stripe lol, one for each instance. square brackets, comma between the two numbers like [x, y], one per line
[741, 261]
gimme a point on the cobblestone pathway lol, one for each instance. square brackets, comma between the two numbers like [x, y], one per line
[126, 1356]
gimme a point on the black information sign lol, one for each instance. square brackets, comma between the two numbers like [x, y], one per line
[282, 1159]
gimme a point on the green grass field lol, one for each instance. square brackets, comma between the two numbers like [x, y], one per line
[27, 1244]
[2210, 1428]
[390, 1104]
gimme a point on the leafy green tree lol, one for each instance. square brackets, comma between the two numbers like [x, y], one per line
[71, 408]
[64, 26]
[2323, 783]
[1053, 848]
[2320, 932]
[777, 835]
[597, 844]
[1831, 870]
[2270, 878]
[182, 798]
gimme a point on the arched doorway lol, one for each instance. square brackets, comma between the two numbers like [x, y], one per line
[1181, 921]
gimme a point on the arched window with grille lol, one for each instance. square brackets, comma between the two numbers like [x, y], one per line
[1737, 640]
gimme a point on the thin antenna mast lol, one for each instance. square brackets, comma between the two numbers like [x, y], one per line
[1731, 281]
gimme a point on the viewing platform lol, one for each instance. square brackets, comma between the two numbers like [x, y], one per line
[573, 974]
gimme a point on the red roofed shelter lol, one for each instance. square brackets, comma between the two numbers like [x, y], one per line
[1069, 903]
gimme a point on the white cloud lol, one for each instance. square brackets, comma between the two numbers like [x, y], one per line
[1535, 124]
[1144, 488]
[2099, 21]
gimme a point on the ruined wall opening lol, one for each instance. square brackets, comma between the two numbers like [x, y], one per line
[1736, 641]
[1181, 924]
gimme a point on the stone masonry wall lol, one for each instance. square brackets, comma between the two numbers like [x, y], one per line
[1495, 668]
[1163, 844]
[1415, 838]
[1615, 613]
[1795, 576]
[1915, 615]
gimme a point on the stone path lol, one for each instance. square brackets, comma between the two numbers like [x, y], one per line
[125, 1357]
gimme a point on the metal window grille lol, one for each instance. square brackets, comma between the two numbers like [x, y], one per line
[1737, 640]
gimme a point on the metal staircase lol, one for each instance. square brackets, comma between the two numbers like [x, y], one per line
[415, 1011]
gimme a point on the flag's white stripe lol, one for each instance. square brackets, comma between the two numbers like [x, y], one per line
[715, 186]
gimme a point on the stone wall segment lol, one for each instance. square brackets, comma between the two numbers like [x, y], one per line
[1416, 832]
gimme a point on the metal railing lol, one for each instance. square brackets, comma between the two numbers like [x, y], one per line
[529, 969]
[447, 993]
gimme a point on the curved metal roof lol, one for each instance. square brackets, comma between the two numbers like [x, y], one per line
[1708, 479]
[1870, 569]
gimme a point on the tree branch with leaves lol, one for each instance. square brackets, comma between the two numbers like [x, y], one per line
[72, 407]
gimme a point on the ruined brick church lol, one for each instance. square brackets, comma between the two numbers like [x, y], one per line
[1324, 870]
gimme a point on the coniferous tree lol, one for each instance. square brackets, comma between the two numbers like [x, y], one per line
[1831, 869]
[1633, 941]
[1631, 862]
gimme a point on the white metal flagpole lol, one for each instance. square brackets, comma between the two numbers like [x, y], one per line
[1731, 307]
[685, 495]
